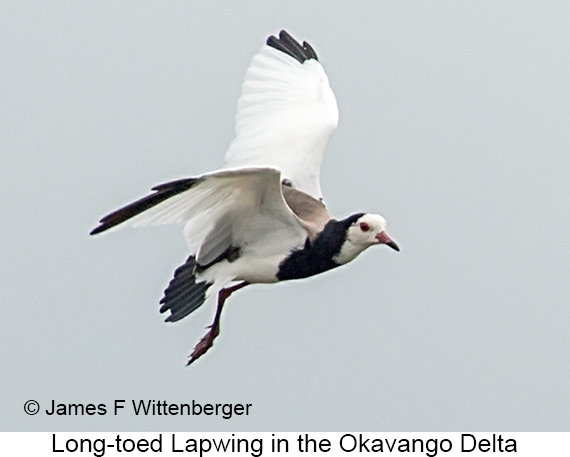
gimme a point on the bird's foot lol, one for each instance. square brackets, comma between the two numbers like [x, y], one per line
[204, 344]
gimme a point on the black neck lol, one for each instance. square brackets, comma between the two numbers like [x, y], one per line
[317, 256]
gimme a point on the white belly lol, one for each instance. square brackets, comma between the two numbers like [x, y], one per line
[257, 263]
[246, 268]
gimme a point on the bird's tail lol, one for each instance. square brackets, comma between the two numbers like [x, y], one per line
[184, 295]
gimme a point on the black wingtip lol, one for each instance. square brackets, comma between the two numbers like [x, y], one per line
[98, 229]
[160, 193]
[287, 44]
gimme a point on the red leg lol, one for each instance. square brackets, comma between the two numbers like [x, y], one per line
[207, 340]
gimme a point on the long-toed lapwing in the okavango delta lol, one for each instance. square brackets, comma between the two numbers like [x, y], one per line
[260, 219]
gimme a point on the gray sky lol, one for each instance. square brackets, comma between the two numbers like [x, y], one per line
[454, 126]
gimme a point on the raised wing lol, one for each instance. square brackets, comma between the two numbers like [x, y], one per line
[286, 114]
[223, 210]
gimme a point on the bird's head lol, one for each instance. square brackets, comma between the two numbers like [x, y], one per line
[363, 231]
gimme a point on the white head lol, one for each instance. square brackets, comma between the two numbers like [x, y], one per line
[363, 231]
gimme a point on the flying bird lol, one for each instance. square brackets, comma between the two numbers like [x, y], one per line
[261, 218]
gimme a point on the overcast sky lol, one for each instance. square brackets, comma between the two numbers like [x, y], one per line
[454, 125]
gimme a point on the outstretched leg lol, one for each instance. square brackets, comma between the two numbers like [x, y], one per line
[207, 340]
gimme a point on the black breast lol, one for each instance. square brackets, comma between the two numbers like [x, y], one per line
[317, 256]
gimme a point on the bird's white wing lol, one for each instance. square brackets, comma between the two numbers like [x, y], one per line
[228, 207]
[286, 114]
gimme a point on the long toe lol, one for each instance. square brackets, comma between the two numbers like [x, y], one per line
[202, 347]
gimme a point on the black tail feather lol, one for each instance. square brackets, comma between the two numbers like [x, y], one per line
[183, 295]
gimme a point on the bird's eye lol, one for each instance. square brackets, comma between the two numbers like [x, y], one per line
[364, 226]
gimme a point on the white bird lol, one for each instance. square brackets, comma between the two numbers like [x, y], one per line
[260, 219]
